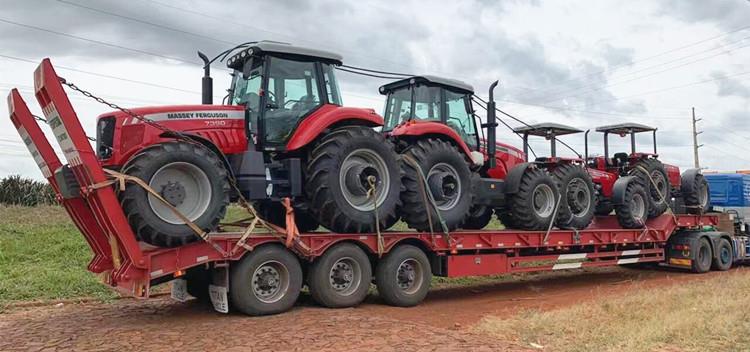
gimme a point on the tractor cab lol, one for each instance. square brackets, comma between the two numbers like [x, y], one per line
[550, 131]
[280, 85]
[621, 159]
[423, 99]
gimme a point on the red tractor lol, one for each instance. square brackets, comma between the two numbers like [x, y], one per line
[431, 121]
[577, 195]
[659, 183]
[282, 134]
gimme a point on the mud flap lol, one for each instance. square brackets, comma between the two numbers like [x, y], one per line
[179, 291]
[219, 288]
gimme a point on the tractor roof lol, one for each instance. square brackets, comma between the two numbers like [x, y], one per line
[450, 84]
[546, 128]
[285, 49]
[625, 128]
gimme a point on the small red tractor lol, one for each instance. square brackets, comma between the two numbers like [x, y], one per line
[283, 134]
[577, 198]
[432, 123]
[652, 185]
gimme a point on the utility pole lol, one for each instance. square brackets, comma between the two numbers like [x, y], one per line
[695, 141]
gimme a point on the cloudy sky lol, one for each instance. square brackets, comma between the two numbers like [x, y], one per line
[581, 63]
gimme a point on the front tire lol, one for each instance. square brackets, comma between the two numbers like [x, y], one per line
[340, 277]
[339, 170]
[266, 281]
[190, 177]
[577, 197]
[697, 197]
[448, 181]
[532, 207]
[632, 214]
[657, 185]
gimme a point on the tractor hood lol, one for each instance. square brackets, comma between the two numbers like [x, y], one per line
[180, 112]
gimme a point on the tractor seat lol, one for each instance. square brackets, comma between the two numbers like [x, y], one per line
[619, 159]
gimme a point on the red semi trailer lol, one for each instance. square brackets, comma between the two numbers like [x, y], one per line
[261, 273]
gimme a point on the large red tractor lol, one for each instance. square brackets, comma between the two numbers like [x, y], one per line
[283, 133]
[659, 183]
[431, 121]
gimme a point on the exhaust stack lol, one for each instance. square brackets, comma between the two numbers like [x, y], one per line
[491, 126]
[207, 83]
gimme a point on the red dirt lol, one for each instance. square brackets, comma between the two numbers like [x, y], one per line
[442, 322]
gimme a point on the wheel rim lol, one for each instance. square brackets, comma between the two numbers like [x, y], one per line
[445, 186]
[724, 255]
[270, 281]
[703, 196]
[185, 186]
[409, 276]
[579, 197]
[357, 169]
[345, 276]
[661, 185]
[543, 199]
[638, 207]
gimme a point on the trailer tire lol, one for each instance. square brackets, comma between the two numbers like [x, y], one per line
[577, 197]
[403, 276]
[266, 281]
[341, 277]
[659, 195]
[633, 211]
[449, 180]
[174, 169]
[696, 195]
[723, 256]
[336, 185]
[479, 217]
[275, 213]
[532, 207]
[703, 258]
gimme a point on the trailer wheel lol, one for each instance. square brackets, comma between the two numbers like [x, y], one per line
[723, 256]
[697, 199]
[190, 177]
[275, 213]
[266, 281]
[658, 189]
[533, 206]
[340, 277]
[448, 181]
[479, 217]
[633, 212]
[337, 180]
[577, 197]
[703, 257]
[403, 276]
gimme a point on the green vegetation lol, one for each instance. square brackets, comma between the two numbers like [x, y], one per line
[708, 315]
[43, 256]
[16, 190]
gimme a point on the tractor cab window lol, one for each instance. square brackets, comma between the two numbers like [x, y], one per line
[397, 108]
[246, 91]
[332, 87]
[459, 118]
[292, 93]
[427, 103]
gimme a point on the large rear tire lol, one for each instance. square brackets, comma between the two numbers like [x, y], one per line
[448, 180]
[275, 213]
[632, 214]
[657, 186]
[337, 180]
[532, 207]
[479, 217]
[577, 197]
[190, 177]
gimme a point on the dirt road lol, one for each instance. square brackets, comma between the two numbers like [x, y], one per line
[442, 322]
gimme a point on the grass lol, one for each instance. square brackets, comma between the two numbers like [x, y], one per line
[706, 315]
[43, 257]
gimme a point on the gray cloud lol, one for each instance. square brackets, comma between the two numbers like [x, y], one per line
[727, 87]
[617, 56]
[725, 13]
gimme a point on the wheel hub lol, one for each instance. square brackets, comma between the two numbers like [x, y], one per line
[173, 192]
[360, 170]
[444, 185]
[543, 200]
[270, 281]
[579, 198]
[406, 276]
[267, 281]
[345, 276]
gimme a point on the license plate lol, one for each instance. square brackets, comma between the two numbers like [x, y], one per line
[682, 262]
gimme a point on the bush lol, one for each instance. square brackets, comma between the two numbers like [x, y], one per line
[17, 190]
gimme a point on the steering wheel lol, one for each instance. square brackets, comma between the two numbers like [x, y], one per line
[458, 122]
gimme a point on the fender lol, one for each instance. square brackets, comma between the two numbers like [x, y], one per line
[618, 190]
[325, 117]
[513, 180]
[687, 179]
[426, 128]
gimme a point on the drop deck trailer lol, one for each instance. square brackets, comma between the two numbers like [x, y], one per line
[262, 273]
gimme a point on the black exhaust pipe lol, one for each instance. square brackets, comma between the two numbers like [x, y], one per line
[491, 126]
[207, 83]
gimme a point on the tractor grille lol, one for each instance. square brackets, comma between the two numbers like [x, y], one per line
[105, 134]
